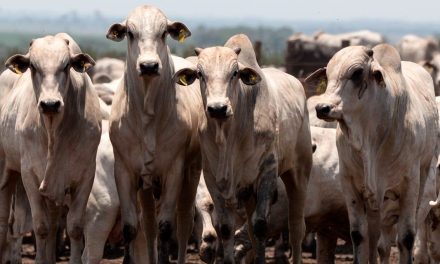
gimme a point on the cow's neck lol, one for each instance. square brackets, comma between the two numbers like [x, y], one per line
[230, 136]
[154, 99]
[378, 136]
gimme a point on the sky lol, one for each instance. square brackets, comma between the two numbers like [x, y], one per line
[283, 10]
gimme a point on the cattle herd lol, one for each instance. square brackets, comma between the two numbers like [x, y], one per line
[158, 150]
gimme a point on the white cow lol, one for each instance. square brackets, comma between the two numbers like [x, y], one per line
[382, 106]
[50, 128]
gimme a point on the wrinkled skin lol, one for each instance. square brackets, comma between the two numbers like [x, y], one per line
[382, 105]
[247, 142]
[50, 132]
[149, 114]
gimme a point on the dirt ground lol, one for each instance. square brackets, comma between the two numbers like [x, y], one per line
[192, 258]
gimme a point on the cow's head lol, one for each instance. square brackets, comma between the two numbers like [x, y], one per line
[433, 67]
[219, 72]
[50, 59]
[356, 81]
[146, 29]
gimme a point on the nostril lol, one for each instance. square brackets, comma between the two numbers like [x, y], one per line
[223, 109]
[210, 109]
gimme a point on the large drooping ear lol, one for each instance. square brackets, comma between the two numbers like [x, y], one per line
[178, 31]
[376, 72]
[117, 31]
[248, 75]
[18, 63]
[185, 76]
[82, 62]
[317, 81]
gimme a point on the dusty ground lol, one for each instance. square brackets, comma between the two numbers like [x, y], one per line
[28, 257]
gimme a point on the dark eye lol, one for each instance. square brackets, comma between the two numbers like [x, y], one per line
[356, 77]
[130, 34]
[234, 74]
[200, 75]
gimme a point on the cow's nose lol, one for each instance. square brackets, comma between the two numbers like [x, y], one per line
[50, 107]
[149, 68]
[322, 110]
[219, 111]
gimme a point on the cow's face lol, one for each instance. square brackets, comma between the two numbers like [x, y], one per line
[354, 81]
[219, 72]
[49, 59]
[146, 29]
[433, 67]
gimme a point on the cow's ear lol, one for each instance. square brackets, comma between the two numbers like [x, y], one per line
[18, 63]
[178, 31]
[317, 81]
[376, 72]
[249, 76]
[82, 62]
[185, 76]
[117, 32]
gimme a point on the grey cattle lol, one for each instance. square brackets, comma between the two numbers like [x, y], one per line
[153, 129]
[107, 70]
[382, 106]
[50, 126]
[255, 129]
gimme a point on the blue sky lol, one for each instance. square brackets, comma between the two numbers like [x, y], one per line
[335, 10]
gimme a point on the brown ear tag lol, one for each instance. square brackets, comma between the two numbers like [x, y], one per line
[182, 35]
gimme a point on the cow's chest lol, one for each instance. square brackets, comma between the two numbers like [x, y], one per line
[240, 159]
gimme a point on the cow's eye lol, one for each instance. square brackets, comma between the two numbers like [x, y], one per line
[200, 75]
[234, 74]
[356, 77]
[130, 34]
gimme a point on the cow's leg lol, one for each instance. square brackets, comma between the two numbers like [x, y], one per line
[296, 186]
[40, 219]
[127, 185]
[357, 216]
[98, 227]
[76, 215]
[5, 207]
[185, 208]
[171, 187]
[149, 224]
[373, 218]
[53, 214]
[387, 236]
[406, 225]
[295, 181]
[266, 188]
[224, 221]
[326, 247]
